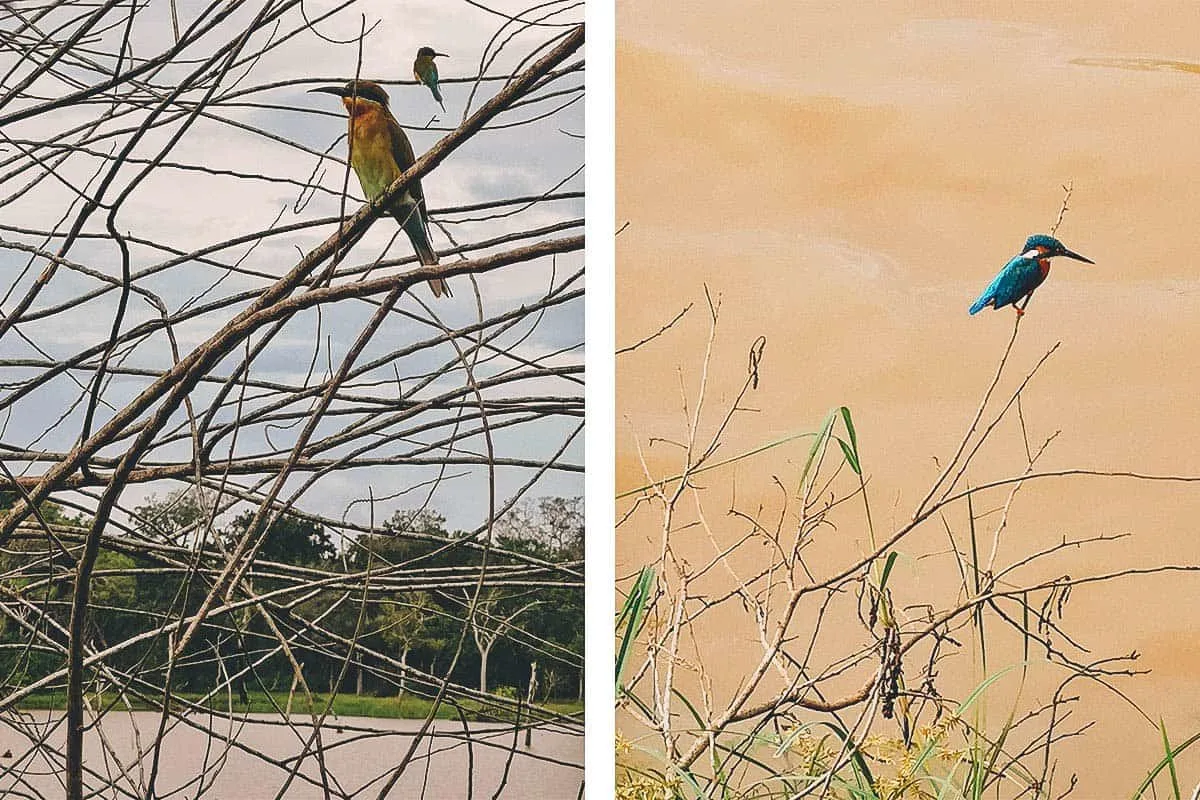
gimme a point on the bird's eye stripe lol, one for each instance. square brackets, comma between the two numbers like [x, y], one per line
[371, 93]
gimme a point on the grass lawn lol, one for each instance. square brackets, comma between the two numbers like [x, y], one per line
[344, 705]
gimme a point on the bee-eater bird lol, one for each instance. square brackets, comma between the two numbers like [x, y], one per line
[425, 71]
[1024, 273]
[380, 153]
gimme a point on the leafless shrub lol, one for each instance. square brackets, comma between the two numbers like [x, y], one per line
[193, 307]
[861, 683]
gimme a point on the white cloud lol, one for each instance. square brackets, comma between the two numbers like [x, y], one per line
[187, 209]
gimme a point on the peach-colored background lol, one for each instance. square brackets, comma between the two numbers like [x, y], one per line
[848, 177]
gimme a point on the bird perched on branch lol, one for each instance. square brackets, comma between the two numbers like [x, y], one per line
[1024, 273]
[380, 152]
[425, 71]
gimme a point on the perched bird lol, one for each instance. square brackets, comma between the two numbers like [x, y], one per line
[1024, 273]
[380, 153]
[425, 71]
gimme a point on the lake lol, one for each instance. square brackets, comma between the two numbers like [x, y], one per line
[357, 752]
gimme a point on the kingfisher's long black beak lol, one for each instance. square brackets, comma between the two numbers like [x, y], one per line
[339, 91]
[443, 55]
[1076, 256]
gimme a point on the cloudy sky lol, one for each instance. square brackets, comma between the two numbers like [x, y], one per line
[278, 134]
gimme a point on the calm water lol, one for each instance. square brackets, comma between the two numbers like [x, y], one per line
[846, 178]
[358, 751]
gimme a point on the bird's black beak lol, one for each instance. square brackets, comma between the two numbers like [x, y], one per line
[443, 55]
[339, 91]
[1076, 256]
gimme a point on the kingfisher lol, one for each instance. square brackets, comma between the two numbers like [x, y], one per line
[425, 71]
[1024, 273]
[380, 152]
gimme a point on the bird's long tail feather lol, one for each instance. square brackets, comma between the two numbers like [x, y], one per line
[413, 222]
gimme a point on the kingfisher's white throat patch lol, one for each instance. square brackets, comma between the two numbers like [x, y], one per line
[1033, 252]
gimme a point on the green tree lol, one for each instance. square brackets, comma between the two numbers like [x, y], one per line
[409, 535]
[289, 539]
[552, 529]
[406, 625]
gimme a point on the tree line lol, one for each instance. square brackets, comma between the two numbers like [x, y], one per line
[408, 589]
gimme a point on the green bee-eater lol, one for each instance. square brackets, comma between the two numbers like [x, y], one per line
[425, 71]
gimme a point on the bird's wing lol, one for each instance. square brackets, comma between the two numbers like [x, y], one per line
[427, 74]
[433, 82]
[1023, 275]
[1016, 279]
[402, 153]
[989, 294]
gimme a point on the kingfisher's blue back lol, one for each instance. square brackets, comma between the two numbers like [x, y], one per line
[1023, 274]
[1019, 277]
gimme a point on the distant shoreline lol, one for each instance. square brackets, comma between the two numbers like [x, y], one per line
[344, 705]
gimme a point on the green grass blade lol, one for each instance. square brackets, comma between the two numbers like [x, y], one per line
[861, 770]
[1170, 757]
[786, 742]
[997, 750]
[723, 462]
[1167, 761]
[739, 753]
[817, 445]
[641, 704]
[964, 706]
[850, 428]
[947, 783]
[887, 570]
[633, 614]
[690, 707]
[690, 780]
[851, 456]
